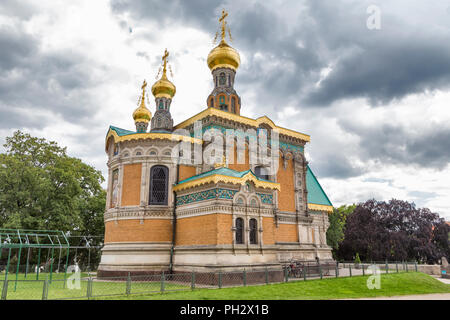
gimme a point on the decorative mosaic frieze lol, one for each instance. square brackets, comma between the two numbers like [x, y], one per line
[216, 193]
[265, 198]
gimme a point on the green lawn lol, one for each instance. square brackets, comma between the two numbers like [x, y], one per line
[332, 288]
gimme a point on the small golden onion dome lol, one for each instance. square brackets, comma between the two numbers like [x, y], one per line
[142, 114]
[223, 56]
[163, 88]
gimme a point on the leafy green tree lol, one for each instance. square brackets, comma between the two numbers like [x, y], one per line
[335, 232]
[41, 187]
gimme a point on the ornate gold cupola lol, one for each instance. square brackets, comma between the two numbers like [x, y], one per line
[142, 115]
[163, 90]
[223, 61]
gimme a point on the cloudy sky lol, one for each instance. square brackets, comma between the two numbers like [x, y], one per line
[376, 102]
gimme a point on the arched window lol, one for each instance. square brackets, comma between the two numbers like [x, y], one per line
[222, 79]
[239, 231]
[261, 172]
[211, 102]
[159, 176]
[253, 231]
[233, 104]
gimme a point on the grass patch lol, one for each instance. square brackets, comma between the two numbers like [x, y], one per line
[332, 288]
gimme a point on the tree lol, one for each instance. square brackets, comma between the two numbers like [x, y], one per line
[41, 187]
[335, 232]
[394, 230]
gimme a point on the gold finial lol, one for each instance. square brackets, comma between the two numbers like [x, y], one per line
[222, 164]
[164, 59]
[144, 85]
[224, 23]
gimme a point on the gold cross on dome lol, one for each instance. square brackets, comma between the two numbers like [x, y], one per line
[164, 58]
[144, 85]
[222, 20]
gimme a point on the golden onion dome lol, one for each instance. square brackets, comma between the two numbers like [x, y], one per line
[142, 114]
[163, 88]
[223, 56]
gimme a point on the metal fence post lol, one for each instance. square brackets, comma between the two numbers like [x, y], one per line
[193, 280]
[128, 288]
[337, 271]
[415, 265]
[304, 273]
[363, 270]
[220, 280]
[320, 271]
[350, 269]
[45, 289]
[286, 275]
[89, 288]
[396, 266]
[406, 266]
[162, 282]
[245, 278]
[387, 267]
[5, 289]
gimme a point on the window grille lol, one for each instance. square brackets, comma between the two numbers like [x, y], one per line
[158, 185]
[253, 231]
[239, 231]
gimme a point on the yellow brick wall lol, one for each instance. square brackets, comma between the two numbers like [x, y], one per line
[185, 172]
[224, 225]
[268, 231]
[200, 230]
[153, 230]
[285, 177]
[131, 184]
[286, 233]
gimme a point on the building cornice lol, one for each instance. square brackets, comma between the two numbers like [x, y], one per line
[244, 120]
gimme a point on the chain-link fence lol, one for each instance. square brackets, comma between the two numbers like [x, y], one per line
[82, 286]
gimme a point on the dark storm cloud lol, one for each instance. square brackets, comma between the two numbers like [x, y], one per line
[337, 166]
[381, 65]
[17, 9]
[30, 79]
[390, 144]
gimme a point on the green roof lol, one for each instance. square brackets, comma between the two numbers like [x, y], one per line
[224, 172]
[121, 132]
[316, 194]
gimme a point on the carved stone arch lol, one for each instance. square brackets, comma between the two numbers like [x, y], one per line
[254, 201]
[127, 152]
[240, 199]
[165, 152]
[153, 152]
[138, 151]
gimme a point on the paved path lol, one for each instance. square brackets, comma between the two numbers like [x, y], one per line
[444, 280]
[432, 296]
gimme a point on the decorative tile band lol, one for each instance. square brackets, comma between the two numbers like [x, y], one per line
[265, 198]
[216, 193]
